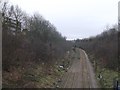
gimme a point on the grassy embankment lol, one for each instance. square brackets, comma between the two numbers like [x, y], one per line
[107, 76]
[37, 75]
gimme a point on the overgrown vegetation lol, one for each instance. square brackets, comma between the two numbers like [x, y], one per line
[109, 77]
[31, 49]
[103, 53]
[103, 47]
[106, 77]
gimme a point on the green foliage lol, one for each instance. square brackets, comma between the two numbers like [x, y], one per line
[108, 77]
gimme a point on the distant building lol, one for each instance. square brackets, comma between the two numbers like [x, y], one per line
[10, 24]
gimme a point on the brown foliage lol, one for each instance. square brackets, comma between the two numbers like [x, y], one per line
[104, 47]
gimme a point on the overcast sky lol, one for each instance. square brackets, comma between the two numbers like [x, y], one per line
[74, 18]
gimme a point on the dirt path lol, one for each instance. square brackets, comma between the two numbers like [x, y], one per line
[81, 74]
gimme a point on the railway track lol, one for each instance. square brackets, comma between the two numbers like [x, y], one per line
[81, 74]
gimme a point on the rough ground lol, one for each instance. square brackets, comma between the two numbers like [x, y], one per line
[80, 74]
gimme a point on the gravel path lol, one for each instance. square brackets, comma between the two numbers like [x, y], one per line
[81, 74]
